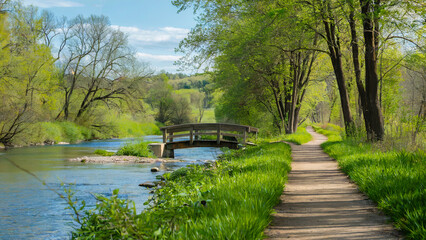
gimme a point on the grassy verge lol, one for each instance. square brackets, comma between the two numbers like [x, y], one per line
[395, 180]
[231, 199]
[301, 136]
[55, 132]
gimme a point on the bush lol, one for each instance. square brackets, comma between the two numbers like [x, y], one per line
[103, 152]
[71, 131]
[139, 149]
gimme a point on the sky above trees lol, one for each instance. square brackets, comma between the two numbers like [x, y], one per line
[154, 27]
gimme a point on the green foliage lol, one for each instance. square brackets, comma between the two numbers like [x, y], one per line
[301, 136]
[131, 128]
[139, 149]
[71, 131]
[208, 116]
[103, 152]
[230, 199]
[115, 218]
[333, 132]
[395, 180]
[53, 132]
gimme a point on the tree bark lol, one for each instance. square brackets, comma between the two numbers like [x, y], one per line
[357, 70]
[333, 44]
[371, 41]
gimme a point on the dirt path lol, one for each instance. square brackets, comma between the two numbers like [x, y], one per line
[319, 202]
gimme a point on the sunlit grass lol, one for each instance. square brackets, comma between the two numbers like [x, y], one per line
[230, 199]
[138, 149]
[395, 180]
[301, 136]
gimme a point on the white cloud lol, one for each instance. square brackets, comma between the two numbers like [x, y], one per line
[52, 3]
[161, 35]
[153, 57]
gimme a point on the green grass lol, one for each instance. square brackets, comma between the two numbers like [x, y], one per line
[65, 131]
[395, 180]
[139, 149]
[301, 136]
[208, 116]
[231, 199]
[103, 152]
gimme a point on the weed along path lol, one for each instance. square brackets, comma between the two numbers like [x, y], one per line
[319, 202]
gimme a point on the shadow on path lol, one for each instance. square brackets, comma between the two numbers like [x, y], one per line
[319, 201]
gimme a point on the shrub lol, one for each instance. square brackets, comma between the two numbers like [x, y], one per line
[103, 152]
[139, 149]
[71, 131]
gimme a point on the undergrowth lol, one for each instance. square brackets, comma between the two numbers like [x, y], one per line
[230, 199]
[138, 149]
[301, 136]
[103, 152]
[394, 179]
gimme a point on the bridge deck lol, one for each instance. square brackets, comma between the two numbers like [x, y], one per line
[201, 143]
[226, 135]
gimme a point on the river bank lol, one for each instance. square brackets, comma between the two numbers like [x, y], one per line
[122, 159]
[233, 196]
[65, 132]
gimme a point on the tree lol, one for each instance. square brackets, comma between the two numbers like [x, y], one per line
[95, 63]
[26, 68]
[181, 110]
[160, 98]
[251, 49]
[328, 15]
[198, 100]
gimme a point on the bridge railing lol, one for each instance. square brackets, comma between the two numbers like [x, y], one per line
[195, 130]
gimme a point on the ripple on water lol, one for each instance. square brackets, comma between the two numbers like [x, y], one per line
[30, 211]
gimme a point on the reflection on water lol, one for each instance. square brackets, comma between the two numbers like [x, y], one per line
[28, 210]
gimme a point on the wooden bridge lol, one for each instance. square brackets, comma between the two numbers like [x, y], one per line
[201, 135]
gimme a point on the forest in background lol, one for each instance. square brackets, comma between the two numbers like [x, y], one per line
[67, 80]
[270, 64]
[279, 64]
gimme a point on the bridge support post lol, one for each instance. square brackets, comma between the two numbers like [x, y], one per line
[169, 153]
[160, 150]
[164, 135]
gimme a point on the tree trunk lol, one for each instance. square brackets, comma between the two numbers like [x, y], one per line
[357, 69]
[370, 25]
[333, 43]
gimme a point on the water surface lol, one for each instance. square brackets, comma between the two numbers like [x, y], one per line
[28, 210]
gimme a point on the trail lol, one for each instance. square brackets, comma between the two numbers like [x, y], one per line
[320, 202]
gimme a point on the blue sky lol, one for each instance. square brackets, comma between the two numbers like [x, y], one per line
[154, 26]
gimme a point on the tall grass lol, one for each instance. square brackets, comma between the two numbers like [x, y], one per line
[395, 180]
[301, 136]
[139, 149]
[231, 199]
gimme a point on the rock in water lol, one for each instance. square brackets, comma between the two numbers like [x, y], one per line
[155, 169]
[147, 185]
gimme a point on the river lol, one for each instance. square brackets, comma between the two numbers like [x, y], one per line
[28, 210]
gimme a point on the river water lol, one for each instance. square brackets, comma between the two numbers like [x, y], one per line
[29, 210]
